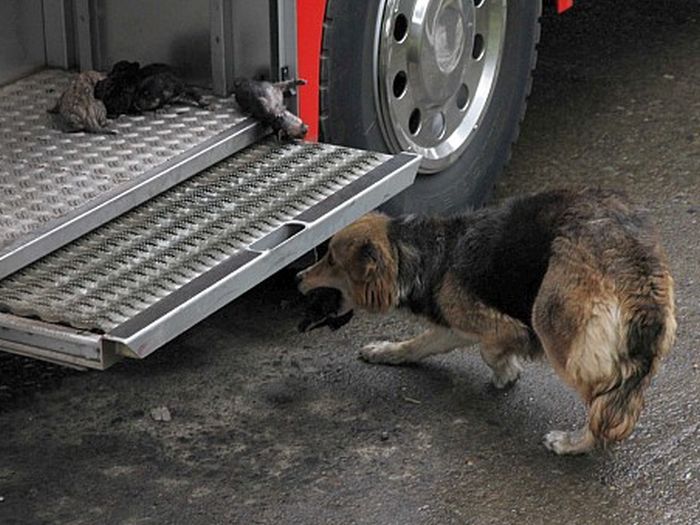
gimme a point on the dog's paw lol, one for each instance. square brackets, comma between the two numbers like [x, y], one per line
[384, 352]
[557, 441]
[504, 383]
[506, 375]
[505, 380]
[567, 443]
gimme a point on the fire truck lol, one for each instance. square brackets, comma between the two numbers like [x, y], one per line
[113, 244]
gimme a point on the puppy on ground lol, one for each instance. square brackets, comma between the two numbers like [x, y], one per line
[577, 276]
[78, 108]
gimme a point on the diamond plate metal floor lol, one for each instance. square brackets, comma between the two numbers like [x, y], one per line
[119, 270]
[55, 186]
[138, 281]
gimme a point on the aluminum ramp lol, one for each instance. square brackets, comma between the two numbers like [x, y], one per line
[56, 186]
[142, 278]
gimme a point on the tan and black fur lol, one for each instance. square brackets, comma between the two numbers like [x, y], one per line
[578, 276]
[78, 108]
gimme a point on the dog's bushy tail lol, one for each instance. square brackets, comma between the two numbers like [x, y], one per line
[650, 334]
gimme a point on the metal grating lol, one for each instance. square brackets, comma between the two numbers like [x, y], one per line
[45, 173]
[117, 271]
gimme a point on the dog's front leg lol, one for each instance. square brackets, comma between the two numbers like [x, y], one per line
[433, 341]
[505, 365]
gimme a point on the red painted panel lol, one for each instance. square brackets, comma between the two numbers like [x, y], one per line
[563, 5]
[310, 15]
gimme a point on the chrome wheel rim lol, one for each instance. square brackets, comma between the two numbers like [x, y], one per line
[436, 69]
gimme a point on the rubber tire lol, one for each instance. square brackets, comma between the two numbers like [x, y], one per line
[349, 117]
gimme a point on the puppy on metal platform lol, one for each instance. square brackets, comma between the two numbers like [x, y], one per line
[265, 101]
[118, 89]
[129, 88]
[77, 107]
[577, 276]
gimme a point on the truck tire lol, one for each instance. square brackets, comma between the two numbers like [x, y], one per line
[451, 86]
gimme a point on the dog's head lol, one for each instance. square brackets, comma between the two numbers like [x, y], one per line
[360, 262]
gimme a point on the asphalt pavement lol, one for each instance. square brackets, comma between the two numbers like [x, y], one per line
[243, 420]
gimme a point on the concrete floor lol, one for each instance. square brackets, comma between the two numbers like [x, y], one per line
[270, 426]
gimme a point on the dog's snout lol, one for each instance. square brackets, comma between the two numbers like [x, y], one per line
[298, 278]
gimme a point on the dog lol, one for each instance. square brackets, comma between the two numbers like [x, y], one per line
[578, 276]
[77, 107]
[265, 102]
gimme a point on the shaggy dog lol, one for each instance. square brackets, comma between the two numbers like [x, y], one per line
[577, 276]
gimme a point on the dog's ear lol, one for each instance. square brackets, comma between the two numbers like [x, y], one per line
[378, 289]
[370, 258]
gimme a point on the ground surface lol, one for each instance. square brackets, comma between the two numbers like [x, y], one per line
[269, 426]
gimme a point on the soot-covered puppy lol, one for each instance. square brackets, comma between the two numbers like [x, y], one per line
[323, 305]
[265, 102]
[118, 89]
[578, 276]
[78, 109]
[159, 85]
[129, 88]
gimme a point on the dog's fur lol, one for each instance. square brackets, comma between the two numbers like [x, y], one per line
[576, 275]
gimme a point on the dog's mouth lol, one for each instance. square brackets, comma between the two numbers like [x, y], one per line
[325, 307]
[332, 295]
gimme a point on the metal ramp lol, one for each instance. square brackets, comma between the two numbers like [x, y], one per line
[56, 186]
[141, 279]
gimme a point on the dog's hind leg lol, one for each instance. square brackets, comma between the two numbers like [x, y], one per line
[436, 340]
[606, 343]
[578, 322]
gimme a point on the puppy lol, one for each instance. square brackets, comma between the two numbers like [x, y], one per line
[118, 89]
[78, 109]
[322, 310]
[159, 85]
[576, 276]
[131, 89]
[265, 102]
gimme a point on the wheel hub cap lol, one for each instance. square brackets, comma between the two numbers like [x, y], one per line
[436, 69]
[441, 59]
